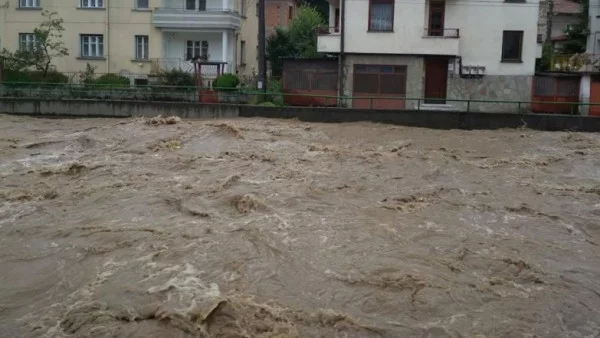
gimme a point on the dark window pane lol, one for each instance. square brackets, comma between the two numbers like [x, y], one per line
[366, 83]
[393, 84]
[512, 45]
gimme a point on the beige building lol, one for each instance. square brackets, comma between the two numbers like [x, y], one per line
[141, 37]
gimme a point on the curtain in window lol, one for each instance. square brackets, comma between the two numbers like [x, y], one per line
[382, 16]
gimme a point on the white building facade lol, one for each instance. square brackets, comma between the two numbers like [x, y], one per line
[439, 50]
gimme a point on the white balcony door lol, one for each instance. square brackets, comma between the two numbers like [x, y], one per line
[195, 5]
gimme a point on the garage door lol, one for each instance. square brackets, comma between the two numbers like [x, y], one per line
[595, 96]
[380, 86]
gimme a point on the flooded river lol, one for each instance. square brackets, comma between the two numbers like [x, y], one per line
[271, 228]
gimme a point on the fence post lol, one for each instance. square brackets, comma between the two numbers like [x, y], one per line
[418, 104]
[519, 107]
[468, 106]
[371, 103]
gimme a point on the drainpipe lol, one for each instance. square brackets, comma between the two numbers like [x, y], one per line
[107, 44]
[341, 55]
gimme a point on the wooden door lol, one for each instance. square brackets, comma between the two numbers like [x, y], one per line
[595, 96]
[436, 18]
[436, 80]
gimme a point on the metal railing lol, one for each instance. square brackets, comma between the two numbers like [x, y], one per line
[182, 8]
[453, 33]
[326, 30]
[167, 64]
[575, 63]
[250, 95]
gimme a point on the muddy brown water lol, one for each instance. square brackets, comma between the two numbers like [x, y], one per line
[267, 228]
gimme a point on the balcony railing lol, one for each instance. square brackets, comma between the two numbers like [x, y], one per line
[163, 65]
[210, 18]
[449, 33]
[324, 30]
[575, 63]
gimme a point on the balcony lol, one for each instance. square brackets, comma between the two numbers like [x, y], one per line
[441, 41]
[575, 63]
[183, 19]
[432, 42]
[328, 40]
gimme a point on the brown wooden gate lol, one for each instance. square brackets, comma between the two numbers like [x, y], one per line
[381, 86]
[436, 80]
[595, 95]
[551, 94]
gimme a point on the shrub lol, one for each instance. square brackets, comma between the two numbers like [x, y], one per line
[177, 77]
[275, 93]
[112, 80]
[226, 82]
[15, 78]
[51, 77]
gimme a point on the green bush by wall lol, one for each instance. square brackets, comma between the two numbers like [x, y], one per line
[226, 82]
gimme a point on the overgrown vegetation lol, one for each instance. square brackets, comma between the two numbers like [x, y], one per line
[176, 77]
[544, 64]
[300, 40]
[577, 34]
[226, 82]
[46, 46]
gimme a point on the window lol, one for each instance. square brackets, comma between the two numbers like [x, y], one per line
[141, 47]
[290, 12]
[140, 82]
[243, 52]
[141, 4]
[196, 49]
[27, 41]
[92, 46]
[512, 45]
[92, 4]
[29, 3]
[193, 5]
[381, 15]
[243, 7]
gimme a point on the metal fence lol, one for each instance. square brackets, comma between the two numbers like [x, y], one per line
[252, 96]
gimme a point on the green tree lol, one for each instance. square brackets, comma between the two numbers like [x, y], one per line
[577, 34]
[545, 62]
[303, 31]
[300, 40]
[279, 45]
[322, 6]
[48, 46]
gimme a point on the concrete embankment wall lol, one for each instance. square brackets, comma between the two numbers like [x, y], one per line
[427, 119]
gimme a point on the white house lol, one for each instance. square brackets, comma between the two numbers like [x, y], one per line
[204, 29]
[589, 91]
[435, 49]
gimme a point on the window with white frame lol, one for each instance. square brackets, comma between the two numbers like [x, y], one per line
[27, 41]
[29, 3]
[141, 4]
[92, 4]
[141, 47]
[242, 52]
[197, 49]
[193, 5]
[92, 46]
